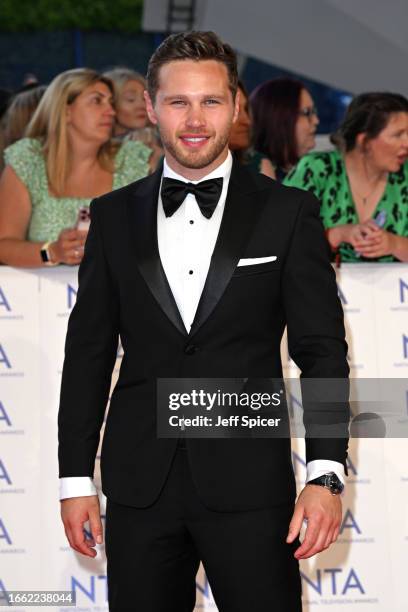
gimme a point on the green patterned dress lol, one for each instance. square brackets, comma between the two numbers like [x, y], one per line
[325, 175]
[50, 215]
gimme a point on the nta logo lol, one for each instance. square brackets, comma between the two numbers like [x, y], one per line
[71, 296]
[405, 346]
[403, 291]
[3, 301]
[3, 415]
[3, 592]
[339, 584]
[92, 592]
[3, 358]
[349, 522]
[4, 475]
[204, 588]
[342, 295]
[4, 535]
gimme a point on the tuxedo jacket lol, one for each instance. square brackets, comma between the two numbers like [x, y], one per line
[237, 331]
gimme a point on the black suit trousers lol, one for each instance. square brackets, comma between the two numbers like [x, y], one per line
[154, 553]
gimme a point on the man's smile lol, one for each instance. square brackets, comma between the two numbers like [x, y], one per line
[194, 141]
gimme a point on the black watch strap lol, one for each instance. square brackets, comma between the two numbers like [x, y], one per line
[329, 481]
[44, 255]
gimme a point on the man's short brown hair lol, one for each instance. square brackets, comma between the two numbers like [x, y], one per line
[197, 46]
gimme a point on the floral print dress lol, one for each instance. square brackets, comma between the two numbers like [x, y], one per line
[49, 214]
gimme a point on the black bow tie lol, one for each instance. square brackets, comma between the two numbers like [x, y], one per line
[207, 194]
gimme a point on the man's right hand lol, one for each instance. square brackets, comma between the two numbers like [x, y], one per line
[75, 512]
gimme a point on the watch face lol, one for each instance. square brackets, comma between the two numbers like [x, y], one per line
[44, 255]
[334, 483]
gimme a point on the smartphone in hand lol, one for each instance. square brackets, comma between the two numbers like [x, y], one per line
[83, 219]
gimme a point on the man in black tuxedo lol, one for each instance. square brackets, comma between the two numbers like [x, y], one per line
[199, 268]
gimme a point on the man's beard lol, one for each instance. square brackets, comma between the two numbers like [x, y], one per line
[195, 159]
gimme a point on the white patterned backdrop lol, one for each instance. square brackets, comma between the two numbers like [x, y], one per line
[365, 570]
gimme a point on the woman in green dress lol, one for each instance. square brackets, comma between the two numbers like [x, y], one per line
[363, 186]
[67, 159]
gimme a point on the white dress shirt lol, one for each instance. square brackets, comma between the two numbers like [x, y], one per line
[186, 242]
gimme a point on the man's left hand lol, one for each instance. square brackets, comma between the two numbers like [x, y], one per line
[322, 511]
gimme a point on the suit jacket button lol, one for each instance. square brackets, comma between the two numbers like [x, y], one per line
[190, 349]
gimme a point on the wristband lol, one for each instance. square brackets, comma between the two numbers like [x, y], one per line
[45, 255]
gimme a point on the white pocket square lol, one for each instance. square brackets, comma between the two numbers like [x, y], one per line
[256, 260]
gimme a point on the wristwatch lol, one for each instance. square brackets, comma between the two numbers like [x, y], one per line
[329, 481]
[45, 255]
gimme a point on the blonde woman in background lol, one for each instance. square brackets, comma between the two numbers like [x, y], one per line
[67, 159]
[129, 100]
[131, 121]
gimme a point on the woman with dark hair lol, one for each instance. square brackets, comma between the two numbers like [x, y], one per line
[363, 186]
[284, 122]
[241, 138]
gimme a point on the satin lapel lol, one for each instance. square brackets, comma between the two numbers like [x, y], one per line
[142, 211]
[241, 209]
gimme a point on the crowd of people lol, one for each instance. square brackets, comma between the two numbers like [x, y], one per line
[88, 133]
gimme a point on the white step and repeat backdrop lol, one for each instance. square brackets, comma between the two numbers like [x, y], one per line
[365, 570]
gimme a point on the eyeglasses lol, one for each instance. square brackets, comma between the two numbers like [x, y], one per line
[308, 111]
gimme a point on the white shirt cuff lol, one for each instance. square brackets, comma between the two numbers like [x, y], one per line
[76, 486]
[319, 467]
